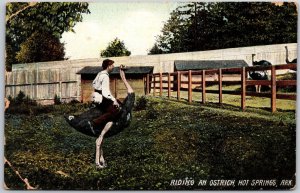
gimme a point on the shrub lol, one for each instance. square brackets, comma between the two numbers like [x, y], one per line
[57, 100]
[141, 103]
[20, 98]
[151, 113]
[74, 101]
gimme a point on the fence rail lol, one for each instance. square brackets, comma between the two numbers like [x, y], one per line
[162, 81]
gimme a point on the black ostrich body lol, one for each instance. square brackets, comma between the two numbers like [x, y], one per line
[259, 75]
[80, 122]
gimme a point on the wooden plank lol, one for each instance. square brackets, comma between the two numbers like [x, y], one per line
[257, 68]
[203, 87]
[286, 96]
[169, 85]
[190, 86]
[154, 87]
[286, 66]
[273, 89]
[243, 90]
[160, 84]
[116, 89]
[178, 84]
[220, 86]
[147, 85]
[258, 82]
[286, 82]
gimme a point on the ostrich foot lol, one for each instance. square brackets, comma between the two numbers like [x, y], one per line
[69, 117]
[101, 165]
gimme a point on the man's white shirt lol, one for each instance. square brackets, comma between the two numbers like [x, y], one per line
[101, 82]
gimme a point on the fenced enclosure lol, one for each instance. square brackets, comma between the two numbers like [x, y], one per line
[197, 81]
[42, 85]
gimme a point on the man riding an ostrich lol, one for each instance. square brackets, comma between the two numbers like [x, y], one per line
[108, 116]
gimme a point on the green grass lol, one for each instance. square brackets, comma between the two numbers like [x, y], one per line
[235, 100]
[167, 140]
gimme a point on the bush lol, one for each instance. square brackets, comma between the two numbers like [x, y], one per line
[20, 98]
[141, 103]
[151, 113]
[74, 101]
[57, 100]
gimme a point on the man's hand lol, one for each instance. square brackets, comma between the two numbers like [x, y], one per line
[116, 103]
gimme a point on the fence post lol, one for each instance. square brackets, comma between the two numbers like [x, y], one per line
[160, 84]
[37, 82]
[13, 89]
[220, 86]
[169, 85]
[243, 89]
[190, 86]
[115, 83]
[273, 89]
[147, 85]
[49, 86]
[203, 87]
[154, 89]
[60, 84]
[178, 85]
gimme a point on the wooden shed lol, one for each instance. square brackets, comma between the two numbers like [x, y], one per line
[135, 75]
[185, 65]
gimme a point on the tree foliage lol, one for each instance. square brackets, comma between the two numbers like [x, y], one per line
[24, 18]
[41, 47]
[115, 48]
[203, 26]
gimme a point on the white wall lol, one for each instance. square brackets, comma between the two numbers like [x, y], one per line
[164, 62]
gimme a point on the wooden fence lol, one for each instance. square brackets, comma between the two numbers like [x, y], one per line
[174, 82]
[43, 84]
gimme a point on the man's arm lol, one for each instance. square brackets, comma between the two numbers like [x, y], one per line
[106, 90]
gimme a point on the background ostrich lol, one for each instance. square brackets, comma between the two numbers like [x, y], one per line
[259, 75]
[287, 56]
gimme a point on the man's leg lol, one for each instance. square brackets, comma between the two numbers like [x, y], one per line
[99, 141]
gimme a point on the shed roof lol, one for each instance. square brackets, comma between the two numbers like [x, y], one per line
[183, 65]
[131, 70]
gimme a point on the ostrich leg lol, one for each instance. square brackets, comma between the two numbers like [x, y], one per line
[258, 88]
[100, 162]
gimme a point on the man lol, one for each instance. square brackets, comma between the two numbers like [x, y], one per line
[122, 120]
[109, 104]
[109, 128]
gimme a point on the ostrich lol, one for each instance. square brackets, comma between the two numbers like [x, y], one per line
[80, 122]
[259, 75]
[287, 57]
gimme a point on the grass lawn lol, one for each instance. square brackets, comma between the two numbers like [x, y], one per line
[168, 145]
[235, 100]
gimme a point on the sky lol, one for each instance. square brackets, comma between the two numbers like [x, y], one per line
[136, 24]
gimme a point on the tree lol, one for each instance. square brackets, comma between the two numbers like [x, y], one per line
[155, 50]
[202, 26]
[173, 35]
[24, 18]
[40, 47]
[115, 48]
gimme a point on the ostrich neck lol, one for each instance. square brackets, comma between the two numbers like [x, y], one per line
[286, 55]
